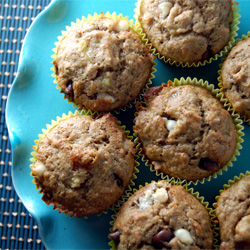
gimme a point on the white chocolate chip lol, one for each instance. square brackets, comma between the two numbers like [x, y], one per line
[165, 8]
[106, 97]
[122, 25]
[127, 145]
[76, 182]
[38, 169]
[184, 236]
[160, 195]
[150, 197]
[170, 124]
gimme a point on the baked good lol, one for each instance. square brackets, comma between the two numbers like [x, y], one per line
[185, 131]
[233, 212]
[84, 164]
[235, 75]
[186, 31]
[162, 216]
[102, 64]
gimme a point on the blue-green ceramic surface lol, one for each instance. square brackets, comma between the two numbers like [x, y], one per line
[34, 101]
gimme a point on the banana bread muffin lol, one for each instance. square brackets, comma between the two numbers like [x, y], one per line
[186, 31]
[185, 132]
[235, 75]
[84, 164]
[162, 216]
[233, 212]
[102, 64]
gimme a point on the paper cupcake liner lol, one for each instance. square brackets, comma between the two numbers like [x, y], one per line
[191, 191]
[220, 83]
[53, 124]
[236, 119]
[96, 16]
[234, 28]
[225, 187]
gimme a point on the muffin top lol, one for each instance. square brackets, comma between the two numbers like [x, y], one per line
[84, 164]
[185, 131]
[235, 75]
[162, 216]
[187, 30]
[233, 212]
[102, 64]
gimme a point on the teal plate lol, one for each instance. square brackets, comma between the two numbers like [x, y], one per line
[34, 101]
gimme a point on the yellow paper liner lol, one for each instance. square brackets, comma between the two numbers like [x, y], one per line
[220, 82]
[225, 187]
[234, 28]
[53, 124]
[175, 183]
[236, 119]
[96, 16]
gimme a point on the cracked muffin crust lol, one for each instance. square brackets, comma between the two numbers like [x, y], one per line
[162, 216]
[235, 75]
[233, 212]
[84, 164]
[102, 64]
[187, 30]
[185, 132]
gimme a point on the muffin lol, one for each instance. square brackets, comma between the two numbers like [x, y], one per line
[186, 31]
[83, 164]
[233, 212]
[185, 132]
[235, 76]
[102, 64]
[162, 216]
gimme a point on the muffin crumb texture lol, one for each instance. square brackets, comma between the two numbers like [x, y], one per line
[233, 212]
[174, 219]
[187, 31]
[102, 64]
[84, 164]
[235, 75]
[185, 131]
